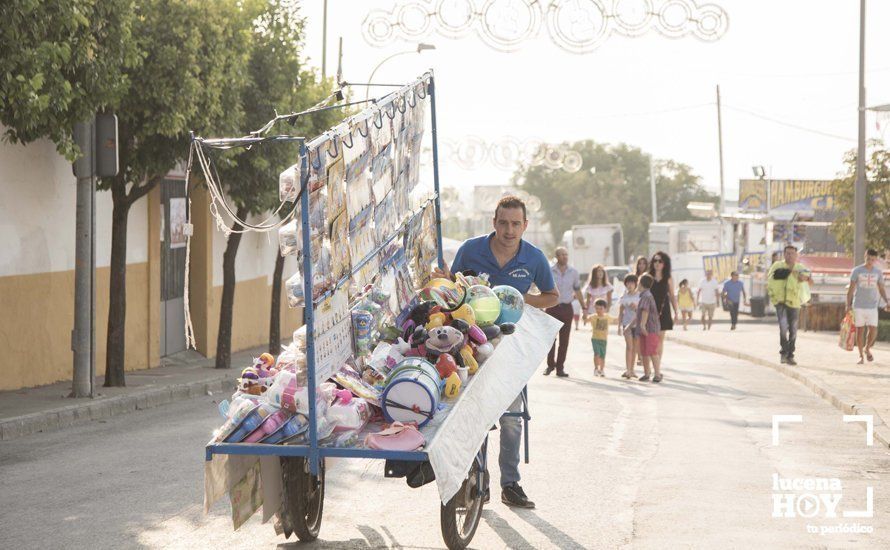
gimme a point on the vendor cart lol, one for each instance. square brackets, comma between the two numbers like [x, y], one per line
[456, 438]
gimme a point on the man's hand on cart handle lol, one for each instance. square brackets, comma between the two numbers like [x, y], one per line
[442, 272]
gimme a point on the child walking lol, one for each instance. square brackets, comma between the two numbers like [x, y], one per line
[627, 320]
[649, 326]
[599, 336]
[686, 301]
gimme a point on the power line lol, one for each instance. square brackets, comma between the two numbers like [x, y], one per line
[788, 124]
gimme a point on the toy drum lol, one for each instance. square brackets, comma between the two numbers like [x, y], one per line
[412, 392]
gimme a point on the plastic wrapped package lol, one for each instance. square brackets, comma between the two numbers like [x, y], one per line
[293, 288]
[299, 337]
[348, 413]
[290, 238]
[288, 183]
[352, 381]
[293, 360]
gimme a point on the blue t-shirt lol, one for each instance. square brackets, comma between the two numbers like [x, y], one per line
[733, 290]
[528, 266]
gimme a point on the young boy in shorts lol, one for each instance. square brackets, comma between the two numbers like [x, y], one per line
[599, 336]
[649, 327]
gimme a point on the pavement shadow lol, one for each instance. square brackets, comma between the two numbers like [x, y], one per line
[558, 537]
[696, 373]
[511, 537]
[625, 387]
[705, 389]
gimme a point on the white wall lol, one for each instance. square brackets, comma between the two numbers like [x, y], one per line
[256, 255]
[37, 214]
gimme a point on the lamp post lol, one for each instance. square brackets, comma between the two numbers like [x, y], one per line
[861, 183]
[420, 48]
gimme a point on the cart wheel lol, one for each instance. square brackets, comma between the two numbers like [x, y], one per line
[460, 517]
[303, 498]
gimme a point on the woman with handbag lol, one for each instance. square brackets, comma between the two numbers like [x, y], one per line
[663, 292]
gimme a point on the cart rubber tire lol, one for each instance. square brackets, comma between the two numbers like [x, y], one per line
[458, 529]
[303, 498]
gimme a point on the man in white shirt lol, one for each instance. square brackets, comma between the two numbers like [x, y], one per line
[708, 294]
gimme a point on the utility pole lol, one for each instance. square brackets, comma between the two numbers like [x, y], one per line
[652, 190]
[340, 61]
[720, 144]
[861, 182]
[97, 140]
[84, 297]
[324, 41]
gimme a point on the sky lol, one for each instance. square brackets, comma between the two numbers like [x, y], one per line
[792, 61]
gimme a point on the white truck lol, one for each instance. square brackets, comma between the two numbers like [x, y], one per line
[687, 242]
[589, 245]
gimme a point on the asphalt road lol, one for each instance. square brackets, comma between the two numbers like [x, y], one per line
[688, 463]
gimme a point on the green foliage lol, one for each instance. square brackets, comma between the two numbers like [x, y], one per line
[276, 82]
[61, 61]
[194, 60]
[877, 205]
[618, 192]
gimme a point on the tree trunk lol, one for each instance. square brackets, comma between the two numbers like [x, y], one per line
[115, 345]
[227, 306]
[275, 309]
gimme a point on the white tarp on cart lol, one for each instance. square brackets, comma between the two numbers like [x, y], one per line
[488, 394]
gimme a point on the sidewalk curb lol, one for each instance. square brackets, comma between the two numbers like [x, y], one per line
[819, 387]
[97, 409]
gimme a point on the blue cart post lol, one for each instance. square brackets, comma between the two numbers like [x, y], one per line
[460, 516]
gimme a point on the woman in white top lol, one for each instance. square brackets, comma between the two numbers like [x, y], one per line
[598, 287]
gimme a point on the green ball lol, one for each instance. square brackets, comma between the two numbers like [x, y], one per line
[485, 304]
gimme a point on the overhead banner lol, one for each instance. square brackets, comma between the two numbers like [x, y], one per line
[785, 195]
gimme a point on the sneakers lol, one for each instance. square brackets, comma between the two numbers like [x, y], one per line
[513, 495]
[548, 370]
[784, 360]
[561, 373]
[790, 360]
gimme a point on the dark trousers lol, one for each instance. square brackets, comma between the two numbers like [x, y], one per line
[788, 317]
[733, 311]
[564, 313]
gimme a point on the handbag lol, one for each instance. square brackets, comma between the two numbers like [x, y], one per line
[847, 340]
[397, 437]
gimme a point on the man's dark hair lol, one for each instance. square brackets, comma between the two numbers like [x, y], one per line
[791, 246]
[646, 281]
[511, 201]
[871, 252]
[601, 302]
[734, 273]
[630, 278]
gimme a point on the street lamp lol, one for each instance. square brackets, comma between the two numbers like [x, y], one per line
[420, 48]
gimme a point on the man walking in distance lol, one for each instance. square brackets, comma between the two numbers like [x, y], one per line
[568, 283]
[708, 294]
[509, 260]
[783, 286]
[866, 281]
[734, 293]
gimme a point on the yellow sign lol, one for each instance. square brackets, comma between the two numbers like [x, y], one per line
[721, 264]
[786, 194]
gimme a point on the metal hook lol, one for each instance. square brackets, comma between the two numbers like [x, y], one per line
[423, 87]
[333, 141]
[367, 129]
[404, 104]
[380, 115]
[392, 109]
[315, 160]
[351, 141]
[414, 96]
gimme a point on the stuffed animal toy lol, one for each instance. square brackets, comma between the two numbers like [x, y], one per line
[448, 339]
[446, 365]
[466, 355]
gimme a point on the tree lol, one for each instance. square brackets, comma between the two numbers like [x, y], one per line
[877, 205]
[618, 191]
[62, 61]
[276, 81]
[193, 61]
